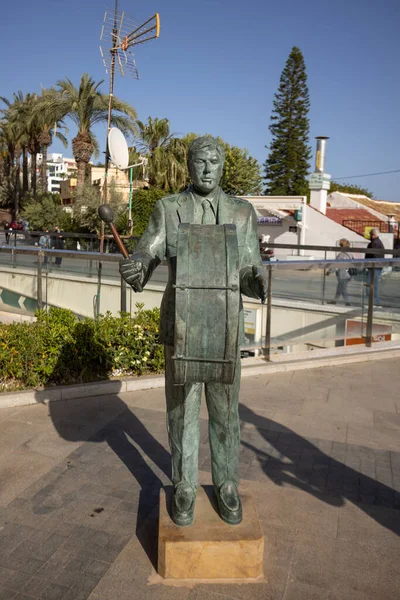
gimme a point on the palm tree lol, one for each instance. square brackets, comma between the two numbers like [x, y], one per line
[10, 165]
[87, 107]
[16, 110]
[47, 116]
[22, 112]
[153, 134]
[166, 153]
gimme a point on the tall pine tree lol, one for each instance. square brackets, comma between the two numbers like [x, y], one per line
[287, 165]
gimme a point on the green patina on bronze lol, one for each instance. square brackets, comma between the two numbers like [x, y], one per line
[207, 300]
[213, 255]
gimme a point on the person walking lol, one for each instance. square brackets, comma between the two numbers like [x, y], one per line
[376, 246]
[342, 274]
[44, 242]
[7, 232]
[58, 245]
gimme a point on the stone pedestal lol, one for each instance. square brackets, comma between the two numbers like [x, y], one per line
[209, 549]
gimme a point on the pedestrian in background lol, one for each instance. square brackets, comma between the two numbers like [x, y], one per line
[7, 232]
[58, 245]
[342, 274]
[377, 245]
[44, 242]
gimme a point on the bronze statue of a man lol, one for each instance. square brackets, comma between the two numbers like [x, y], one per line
[204, 202]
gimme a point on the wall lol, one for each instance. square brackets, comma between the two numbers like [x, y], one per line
[280, 234]
[322, 231]
[18, 290]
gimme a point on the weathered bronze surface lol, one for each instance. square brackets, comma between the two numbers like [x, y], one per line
[163, 238]
[207, 304]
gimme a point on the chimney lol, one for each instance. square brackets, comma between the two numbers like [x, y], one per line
[319, 180]
[320, 153]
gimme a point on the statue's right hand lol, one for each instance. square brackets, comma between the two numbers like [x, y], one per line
[133, 273]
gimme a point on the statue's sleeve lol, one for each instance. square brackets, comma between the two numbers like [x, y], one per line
[152, 245]
[251, 256]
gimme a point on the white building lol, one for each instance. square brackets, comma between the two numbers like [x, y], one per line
[58, 169]
[290, 220]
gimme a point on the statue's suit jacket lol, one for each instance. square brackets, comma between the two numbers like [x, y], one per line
[161, 237]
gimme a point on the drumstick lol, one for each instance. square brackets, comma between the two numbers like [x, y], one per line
[106, 215]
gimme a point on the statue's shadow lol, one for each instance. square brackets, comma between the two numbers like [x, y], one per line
[290, 460]
[141, 453]
[148, 461]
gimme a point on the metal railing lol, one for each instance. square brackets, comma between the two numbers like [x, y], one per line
[367, 266]
[91, 239]
[384, 226]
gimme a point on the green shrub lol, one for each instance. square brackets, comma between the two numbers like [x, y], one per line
[61, 349]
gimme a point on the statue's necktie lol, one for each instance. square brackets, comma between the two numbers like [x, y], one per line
[208, 214]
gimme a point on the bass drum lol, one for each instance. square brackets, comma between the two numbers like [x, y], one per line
[207, 304]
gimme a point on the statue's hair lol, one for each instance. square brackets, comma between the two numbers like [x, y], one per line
[206, 141]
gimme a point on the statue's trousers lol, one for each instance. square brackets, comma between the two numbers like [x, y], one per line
[183, 424]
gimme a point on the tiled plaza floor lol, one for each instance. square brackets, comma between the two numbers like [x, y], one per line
[80, 480]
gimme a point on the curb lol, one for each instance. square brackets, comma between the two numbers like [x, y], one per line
[250, 368]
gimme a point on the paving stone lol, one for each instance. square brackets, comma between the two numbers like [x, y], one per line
[51, 569]
[79, 563]
[17, 580]
[82, 588]
[35, 587]
[97, 567]
[20, 562]
[300, 591]
[7, 594]
[5, 574]
[370, 525]
[54, 592]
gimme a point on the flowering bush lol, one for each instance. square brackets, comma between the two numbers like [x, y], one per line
[61, 349]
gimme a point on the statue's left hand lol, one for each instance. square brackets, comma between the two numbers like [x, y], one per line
[260, 283]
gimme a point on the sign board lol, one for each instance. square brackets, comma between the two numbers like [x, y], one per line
[250, 324]
[269, 220]
[356, 331]
[320, 181]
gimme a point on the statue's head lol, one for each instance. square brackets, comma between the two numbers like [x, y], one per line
[206, 159]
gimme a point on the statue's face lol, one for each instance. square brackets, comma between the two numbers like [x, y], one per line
[206, 170]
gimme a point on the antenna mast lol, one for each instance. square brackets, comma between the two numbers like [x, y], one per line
[120, 33]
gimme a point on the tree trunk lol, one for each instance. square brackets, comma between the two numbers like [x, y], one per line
[43, 169]
[25, 180]
[33, 173]
[81, 173]
[17, 190]
[82, 149]
[44, 141]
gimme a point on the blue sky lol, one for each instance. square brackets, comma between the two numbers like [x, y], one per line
[216, 67]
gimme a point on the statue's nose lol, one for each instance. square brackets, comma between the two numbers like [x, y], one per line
[207, 167]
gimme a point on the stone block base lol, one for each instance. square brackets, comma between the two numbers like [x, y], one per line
[209, 548]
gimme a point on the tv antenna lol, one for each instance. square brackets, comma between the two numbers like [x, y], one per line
[119, 35]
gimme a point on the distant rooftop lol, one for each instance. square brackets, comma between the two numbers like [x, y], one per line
[383, 206]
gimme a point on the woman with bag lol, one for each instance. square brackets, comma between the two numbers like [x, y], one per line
[342, 274]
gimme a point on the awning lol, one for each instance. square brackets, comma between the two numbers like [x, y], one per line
[270, 216]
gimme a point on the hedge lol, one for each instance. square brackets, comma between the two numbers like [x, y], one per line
[61, 349]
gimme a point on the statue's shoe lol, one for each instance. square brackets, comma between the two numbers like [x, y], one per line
[183, 505]
[229, 504]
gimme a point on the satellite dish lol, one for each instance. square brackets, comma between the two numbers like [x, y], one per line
[118, 148]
